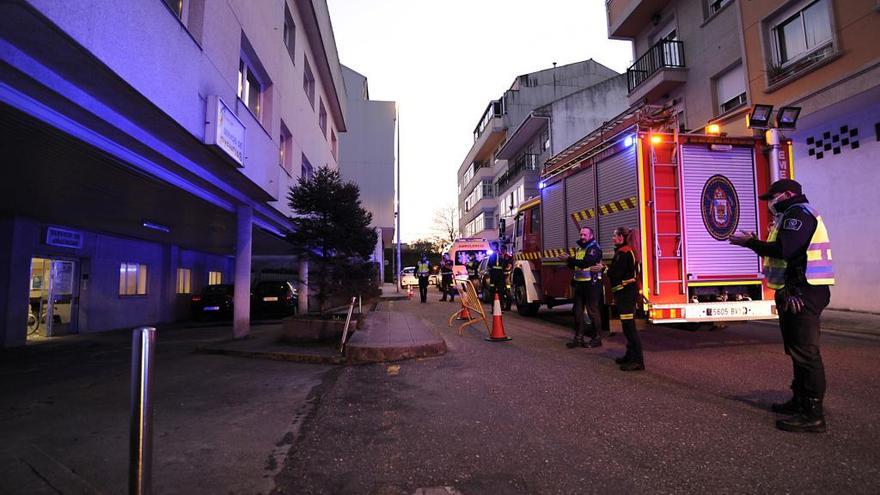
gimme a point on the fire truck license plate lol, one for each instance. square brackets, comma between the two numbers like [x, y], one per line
[727, 311]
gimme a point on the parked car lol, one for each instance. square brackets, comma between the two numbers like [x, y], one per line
[408, 277]
[274, 298]
[214, 301]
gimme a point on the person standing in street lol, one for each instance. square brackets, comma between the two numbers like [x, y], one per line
[473, 270]
[423, 271]
[586, 280]
[623, 284]
[446, 285]
[496, 272]
[797, 264]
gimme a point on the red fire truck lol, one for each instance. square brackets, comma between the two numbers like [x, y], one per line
[682, 194]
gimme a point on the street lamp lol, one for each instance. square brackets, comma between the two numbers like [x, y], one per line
[786, 118]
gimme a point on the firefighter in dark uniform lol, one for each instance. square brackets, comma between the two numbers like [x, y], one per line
[586, 281]
[797, 263]
[446, 285]
[496, 266]
[423, 271]
[473, 269]
[622, 274]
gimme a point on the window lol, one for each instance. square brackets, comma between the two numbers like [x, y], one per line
[535, 223]
[545, 140]
[715, 5]
[249, 88]
[285, 150]
[798, 35]
[306, 170]
[333, 144]
[308, 82]
[730, 89]
[132, 279]
[215, 278]
[184, 281]
[289, 33]
[322, 118]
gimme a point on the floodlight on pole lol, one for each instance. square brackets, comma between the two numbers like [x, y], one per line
[786, 117]
[759, 117]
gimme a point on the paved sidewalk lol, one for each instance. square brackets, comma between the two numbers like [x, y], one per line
[386, 335]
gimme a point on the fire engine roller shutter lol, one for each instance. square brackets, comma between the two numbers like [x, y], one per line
[617, 181]
[552, 223]
[580, 194]
[707, 256]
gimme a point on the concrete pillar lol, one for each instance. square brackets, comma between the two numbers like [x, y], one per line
[303, 287]
[241, 318]
[15, 265]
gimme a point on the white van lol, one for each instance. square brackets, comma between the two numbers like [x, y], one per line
[462, 249]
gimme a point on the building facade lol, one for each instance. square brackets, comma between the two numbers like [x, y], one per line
[712, 60]
[477, 202]
[823, 56]
[548, 130]
[150, 147]
[367, 157]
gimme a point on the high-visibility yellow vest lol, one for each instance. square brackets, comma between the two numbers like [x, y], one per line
[422, 270]
[819, 270]
[580, 274]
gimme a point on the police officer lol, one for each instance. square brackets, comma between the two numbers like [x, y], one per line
[797, 263]
[423, 271]
[446, 279]
[623, 284]
[496, 266]
[586, 281]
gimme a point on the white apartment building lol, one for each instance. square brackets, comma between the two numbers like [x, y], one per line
[148, 149]
[477, 202]
[367, 157]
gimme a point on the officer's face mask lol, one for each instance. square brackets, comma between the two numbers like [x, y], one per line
[775, 200]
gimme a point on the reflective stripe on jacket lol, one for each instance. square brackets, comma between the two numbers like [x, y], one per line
[422, 268]
[819, 270]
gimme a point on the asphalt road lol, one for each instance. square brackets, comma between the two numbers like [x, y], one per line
[530, 416]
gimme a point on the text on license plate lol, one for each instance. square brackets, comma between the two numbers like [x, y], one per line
[270, 299]
[727, 311]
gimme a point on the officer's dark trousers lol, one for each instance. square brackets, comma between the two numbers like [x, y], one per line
[448, 288]
[625, 300]
[496, 283]
[800, 336]
[587, 295]
[423, 288]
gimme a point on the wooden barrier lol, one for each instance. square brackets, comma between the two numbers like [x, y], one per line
[471, 305]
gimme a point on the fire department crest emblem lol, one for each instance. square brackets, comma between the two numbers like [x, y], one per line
[720, 207]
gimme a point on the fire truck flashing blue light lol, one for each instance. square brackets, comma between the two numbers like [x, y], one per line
[628, 141]
[541, 185]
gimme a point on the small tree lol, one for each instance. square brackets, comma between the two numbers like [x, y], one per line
[444, 227]
[331, 230]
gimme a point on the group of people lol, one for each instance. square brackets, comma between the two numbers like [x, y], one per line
[797, 264]
[588, 292]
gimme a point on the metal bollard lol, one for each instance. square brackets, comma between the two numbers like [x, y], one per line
[141, 426]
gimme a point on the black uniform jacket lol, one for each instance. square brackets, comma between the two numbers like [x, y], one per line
[623, 266]
[792, 239]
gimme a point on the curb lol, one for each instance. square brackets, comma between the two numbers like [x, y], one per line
[364, 355]
[276, 356]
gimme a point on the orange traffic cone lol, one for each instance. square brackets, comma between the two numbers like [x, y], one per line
[463, 313]
[498, 334]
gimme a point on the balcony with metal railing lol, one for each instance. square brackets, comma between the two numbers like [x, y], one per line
[516, 169]
[658, 71]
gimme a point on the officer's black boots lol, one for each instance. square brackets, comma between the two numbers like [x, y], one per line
[789, 408]
[632, 366]
[622, 359]
[810, 420]
[573, 344]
